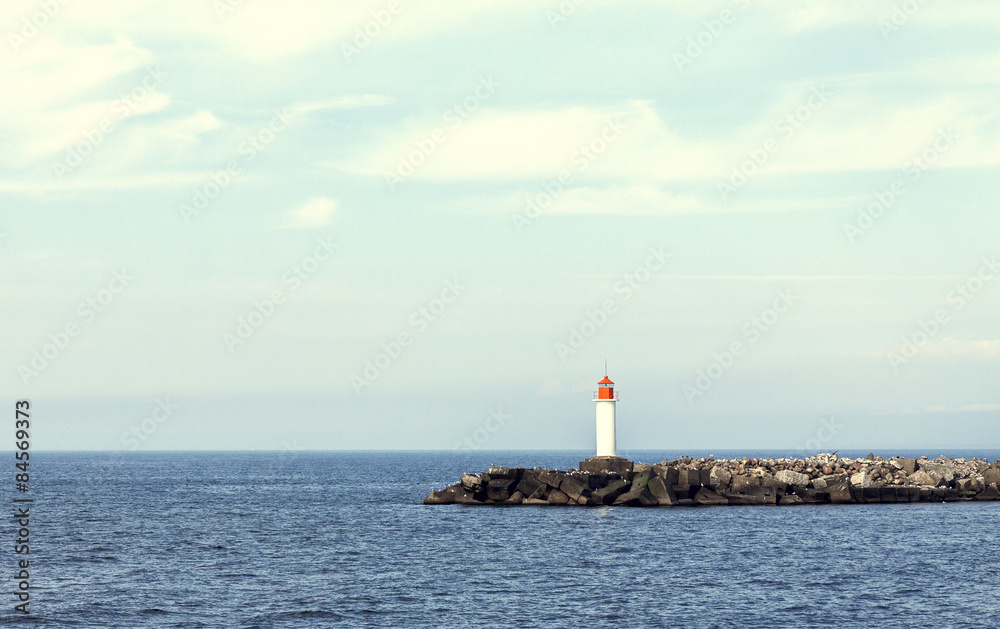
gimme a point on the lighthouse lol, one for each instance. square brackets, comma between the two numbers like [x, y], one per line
[605, 399]
[606, 460]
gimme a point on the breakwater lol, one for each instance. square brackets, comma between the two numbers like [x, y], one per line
[824, 478]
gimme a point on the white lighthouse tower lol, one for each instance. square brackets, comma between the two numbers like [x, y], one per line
[605, 399]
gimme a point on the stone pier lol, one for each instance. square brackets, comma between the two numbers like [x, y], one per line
[824, 478]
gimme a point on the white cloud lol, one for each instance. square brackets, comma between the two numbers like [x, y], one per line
[353, 101]
[535, 145]
[850, 131]
[316, 212]
[49, 106]
[981, 348]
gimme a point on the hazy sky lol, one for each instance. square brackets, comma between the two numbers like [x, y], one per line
[371, 225]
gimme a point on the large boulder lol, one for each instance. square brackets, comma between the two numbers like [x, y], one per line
[924, 478]
[861, 479]
[609, 493]
[496, 471]
[472, 482]
[661, 491]
[689, 476]
[637, 497]
[719, 477]
[641, 479]
[992, 492]
[573, 487]
[456, 494]
[500, 489]
[740, 483]
[552, 478]
[946, 470]
[540, 493]
[444, 496]
[809, 495]
[909, 465]
[969, 485]
[705, 476]
[795, 479]
[529, 483]
[600, 479]
[707, 497]
[839, 490]
[667, 473]
[991, 476]
[752, 495]
[557, 497]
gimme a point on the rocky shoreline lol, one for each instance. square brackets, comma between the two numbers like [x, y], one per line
[824, 478]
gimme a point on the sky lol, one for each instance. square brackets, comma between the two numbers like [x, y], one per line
[245, 224]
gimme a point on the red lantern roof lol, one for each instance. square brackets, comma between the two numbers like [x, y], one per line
[606, 380]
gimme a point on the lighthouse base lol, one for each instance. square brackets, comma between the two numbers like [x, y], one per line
[596, 464]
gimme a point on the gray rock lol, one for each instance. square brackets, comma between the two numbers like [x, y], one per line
[540, 493]
[552, 478]
[810, 495]
[974, 485]
[472, 482]
[991, 476]
[516, 498]
[946, 471]
[557, 497]
[499, 490]
[642, 479]
[637, 497]
[444, 496]
[862, 479]
[992, 492]
[707, 497]
[924, 478]
[839, 490]
[573, 488]
[789, 500]
[705, 476]
[661, 491]
[529, 483]
[792, 478]
[689, 477]
[741, 484]
[753, 495]
[608, 494]
[719, 476]
[501, 472]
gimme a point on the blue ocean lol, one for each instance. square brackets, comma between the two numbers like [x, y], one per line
[341, 539]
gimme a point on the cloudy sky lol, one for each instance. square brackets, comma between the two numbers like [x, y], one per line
[379, 225]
